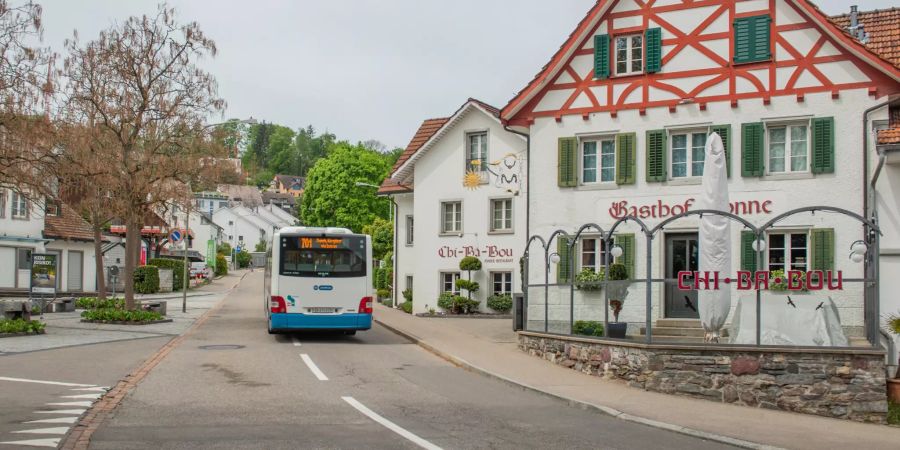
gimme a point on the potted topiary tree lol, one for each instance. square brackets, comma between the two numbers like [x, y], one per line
[466, 304]
[893, 384]
[617, 291]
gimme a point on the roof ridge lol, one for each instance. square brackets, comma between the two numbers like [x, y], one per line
[870, 11]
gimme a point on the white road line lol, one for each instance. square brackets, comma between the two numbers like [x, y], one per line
[296, 341]
[49, 442]
[94, 395]
[313, 367]
[62, 411]
[84, 404]
[55, 420]
[55, 430]
[57, 383]
[390, 425]
[95, 389]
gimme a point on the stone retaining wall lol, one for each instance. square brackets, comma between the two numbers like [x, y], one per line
[839, 384]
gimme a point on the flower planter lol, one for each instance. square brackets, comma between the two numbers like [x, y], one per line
[616, 329]
[893, 389]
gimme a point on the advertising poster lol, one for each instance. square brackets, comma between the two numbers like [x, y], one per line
[211, 254]
[43, 273]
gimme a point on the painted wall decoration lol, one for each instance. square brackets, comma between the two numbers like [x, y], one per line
[505, 174]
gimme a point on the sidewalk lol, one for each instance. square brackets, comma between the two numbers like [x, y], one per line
[217, 286]
[490, 347]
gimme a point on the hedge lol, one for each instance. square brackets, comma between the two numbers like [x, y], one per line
[406, 307]
[221, 265]
[121, 315]
[243, 259]
[93, 302]
[500, 303]
[177, 267]
[21, 326]
[146, 280]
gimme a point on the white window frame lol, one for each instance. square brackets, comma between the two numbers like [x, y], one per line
[443, 282]
[458, 217]
[599, 252]
[484, 151]
[503, 282]
[19, 206]
[689, 149]
[788, 148]
[788, 249]
[409, 282]
[629, 59]
[598, 166]
[506, 215]
[410, 230]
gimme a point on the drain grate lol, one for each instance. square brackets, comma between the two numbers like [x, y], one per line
[221, 347]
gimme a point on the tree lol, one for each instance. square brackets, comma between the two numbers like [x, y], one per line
[332, 198]
[382, 232]
[140, 100]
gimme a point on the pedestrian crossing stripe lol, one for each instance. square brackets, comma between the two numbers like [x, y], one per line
[48, 442]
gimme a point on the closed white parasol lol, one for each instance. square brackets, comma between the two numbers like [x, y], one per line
[715, 239]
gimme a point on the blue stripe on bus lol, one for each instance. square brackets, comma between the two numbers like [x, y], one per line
[294, 321]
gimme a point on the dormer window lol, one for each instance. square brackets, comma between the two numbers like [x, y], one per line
[629, 54]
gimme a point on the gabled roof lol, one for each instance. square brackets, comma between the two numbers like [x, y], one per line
[883, 29]
[425, 131]
[288, 180]
[68, 226]
[599, 10]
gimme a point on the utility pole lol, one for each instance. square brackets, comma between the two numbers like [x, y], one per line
[187, 231]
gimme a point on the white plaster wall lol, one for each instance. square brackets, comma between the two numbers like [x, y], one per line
[89, 269]
[404, 255]
[240, 227]
[567, 208]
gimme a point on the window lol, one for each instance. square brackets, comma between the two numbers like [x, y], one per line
[451, 217]
[629, 54]
[230, 237]
[688, 153]
[240, 238]
[23, 257]
[2, 203]
[222, 204]
[409, 230]
[788, 251]
[19, 206]
[476, 152]
[593, 253]
[598, 167]
[501, 215]
[347, 259]
[230, 223]
[448, 282]
[788, 148]
[52, 208]
[409, 282]
[501, 283]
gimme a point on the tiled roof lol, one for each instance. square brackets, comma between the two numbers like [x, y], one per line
[890, 136]
[288, 180]
[423, 134]
[883, 28]
[69, 226]
[283, 196]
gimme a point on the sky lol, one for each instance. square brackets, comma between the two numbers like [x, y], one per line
[361, 69]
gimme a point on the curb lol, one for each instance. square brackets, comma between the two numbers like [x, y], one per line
[79, 436]
[459, 362]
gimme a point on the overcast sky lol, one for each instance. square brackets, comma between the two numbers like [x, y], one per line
[362, 69]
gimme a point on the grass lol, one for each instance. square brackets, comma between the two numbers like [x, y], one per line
[893, 416]
[120, 315]
[21, 326]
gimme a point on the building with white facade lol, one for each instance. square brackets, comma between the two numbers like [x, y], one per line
[438, 220]
[241, 227]
[619, 117]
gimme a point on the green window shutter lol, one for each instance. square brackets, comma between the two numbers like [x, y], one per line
[748, 255]
[751, 39]
[601, 56]
[625, 158]
[656, 155]
[752, 136]
[626, 241]
[653, 37]
[822, 248]
[823, 145]
[724, 132]
[564, 268]
[567, 162]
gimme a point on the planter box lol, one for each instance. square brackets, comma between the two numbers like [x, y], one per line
[64, 305]
[119, 322]
[166, 280]
[151, 305]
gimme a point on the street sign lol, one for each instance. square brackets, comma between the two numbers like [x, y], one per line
[43, 273]
[175, 236]
[237, 249]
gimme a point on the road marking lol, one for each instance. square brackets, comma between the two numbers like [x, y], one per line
[55, 430]
[55, 420]
[57, 383]
[85, 404]
[95, 389]
[313, 367]
[94, 395]
[49, 442]
[296, 341]
[62, 411]
[390, 425]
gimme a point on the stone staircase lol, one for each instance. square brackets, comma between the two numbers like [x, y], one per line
[678, 330]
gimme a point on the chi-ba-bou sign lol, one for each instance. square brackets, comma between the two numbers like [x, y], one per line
[793, 280]
[487, 251]
[662, 210]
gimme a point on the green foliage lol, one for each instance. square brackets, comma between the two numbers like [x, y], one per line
[469, 286]
[590, 280]
[500, 303]
[893, 323]
[221, 265]
[445, 301]
[389, 302]
[261, 246]
[224, 248]
[383, 277]
[464, 305]
[407, 295]
[177, 266]
[243, 258]
[21, 326]
[383, 293]
[146, 280]
[893, 416]
[618, 272]
[120, 315]
[382, 232]
[94, 302]
[588, 328]
[783, 285]
[332, 197]
[470, 263]
[406, 307]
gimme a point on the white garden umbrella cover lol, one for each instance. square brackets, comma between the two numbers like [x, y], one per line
[715, 239]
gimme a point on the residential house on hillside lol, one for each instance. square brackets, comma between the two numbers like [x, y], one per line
[242, 227]
[285, 215]
[285, 201]
[248, 196]
[288, 184]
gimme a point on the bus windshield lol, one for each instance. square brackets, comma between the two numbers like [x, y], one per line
[315, 256]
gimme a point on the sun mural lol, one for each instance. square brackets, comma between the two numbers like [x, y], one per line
[505, 173]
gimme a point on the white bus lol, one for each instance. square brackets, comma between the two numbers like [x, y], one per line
[319, 279]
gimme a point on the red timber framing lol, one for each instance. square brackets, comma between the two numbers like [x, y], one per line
[766, 77]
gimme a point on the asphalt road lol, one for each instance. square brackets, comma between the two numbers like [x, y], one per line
[373, 390]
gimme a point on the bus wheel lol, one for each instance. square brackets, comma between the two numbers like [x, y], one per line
[350, 333]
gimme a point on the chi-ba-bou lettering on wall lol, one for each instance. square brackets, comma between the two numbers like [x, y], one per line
[491, 253]
[662, 210]
[745, 280]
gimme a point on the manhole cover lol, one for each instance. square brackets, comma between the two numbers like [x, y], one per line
[221, 347]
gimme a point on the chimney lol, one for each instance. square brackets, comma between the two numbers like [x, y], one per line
[854, 18]
[856, 29]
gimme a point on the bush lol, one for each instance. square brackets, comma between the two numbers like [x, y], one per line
[383, 293]
[406, 307]
[464, 305]
[468, 286]
[94, 302]
[618, 272]
[407, 295]
[500, 303]
[177, 267]
[588, 328]
[243, 259]
[224, 248]
[589, 280]
[21, 326]
[146, 280]
[261, 246]
[221, 265]
[470, 263]
[893, 417]
[121, 315]
[445, 301]
[389, 302]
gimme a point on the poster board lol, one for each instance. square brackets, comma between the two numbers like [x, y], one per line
[43, 273]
